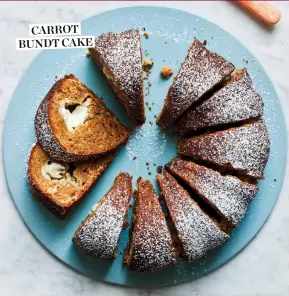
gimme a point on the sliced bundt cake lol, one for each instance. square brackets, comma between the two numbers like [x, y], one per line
[244, 149]
[196, 231]
[99, 233]
[73, 124]
[237, 101]
[227, 195]
[119, 56]
[150, 247]
[201, 71]
[58, 185]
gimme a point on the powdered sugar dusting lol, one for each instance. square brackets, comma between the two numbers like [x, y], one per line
[196, 231]
[151, 243]
[199, 73]
[235, 102]
[227, 194]
[99, 233]
[245, 149]
[147, 143]
[121, 52]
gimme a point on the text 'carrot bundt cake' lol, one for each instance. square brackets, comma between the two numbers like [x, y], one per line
[244, 149]
[73, 124]
[227, 195]
[196, 231]
[201, 71]
[237, 101]
[150, 247]
[58, 185]
[119, 57]
[99, 233]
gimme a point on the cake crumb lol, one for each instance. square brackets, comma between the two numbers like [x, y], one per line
[125, 224]
[166, 71]
[147, 64]
[88, 53]
[146, 34]
[159, 169]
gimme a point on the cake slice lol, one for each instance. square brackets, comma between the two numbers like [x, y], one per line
[99, 233]
[73, 124]
[201, 71]
[150, 247]
[119, 57]
[227, 195]
[58, 185]
[237, 101]
[243, 149]
[197, 233]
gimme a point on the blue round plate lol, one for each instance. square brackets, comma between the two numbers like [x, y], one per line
[171, 33]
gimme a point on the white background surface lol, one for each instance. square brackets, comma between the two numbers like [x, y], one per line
[26, 268]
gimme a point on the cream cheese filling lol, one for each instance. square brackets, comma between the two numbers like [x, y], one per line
[53, 171]
[77, 116]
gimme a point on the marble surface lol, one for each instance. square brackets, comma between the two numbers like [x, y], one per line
[26, 268]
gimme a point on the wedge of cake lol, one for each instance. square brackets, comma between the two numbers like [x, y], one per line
[243, 149]
[73, 124]
[196, 231]
[227, 195]
[237, 101]
[58, 185]
[119, 57]
[99, 233]
[150, 247]
[201, 71]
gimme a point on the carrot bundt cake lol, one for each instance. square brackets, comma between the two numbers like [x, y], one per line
[99, 233]
[58, 185]
[227, 195]
[201, 71]
[196, 231]
[243, 149]
[73, 124]
[150, 247]
[236, 102]
[119, 57]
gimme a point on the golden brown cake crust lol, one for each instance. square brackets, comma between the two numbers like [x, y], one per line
[99, 233]
[119, 55]
[199, 73]
[150, 247]
[236, 102]
[227, 195]
[243, 149]
[196, 231]
[59, 196]
[100, 133]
